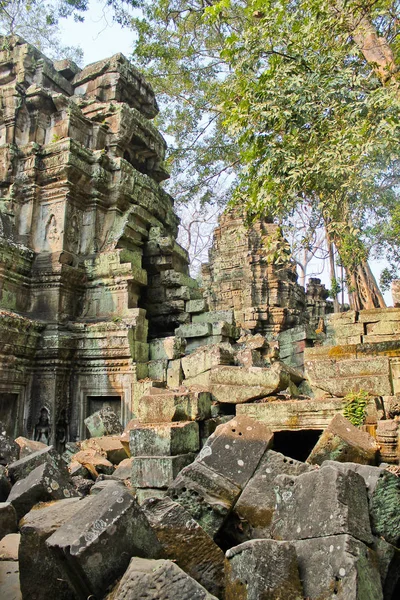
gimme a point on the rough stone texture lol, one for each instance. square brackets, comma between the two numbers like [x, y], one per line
[158, 471]
[110, 445]
[157, 580]
[167, 348]
[321, 503]
[124, 469]
[396, 293]
[9, 450]
[240, 276]
[207, 495]
[93, 548]
[9, 546]
[265, 569]
[161, 439]
[236, 447]
[41, 485]
[5, 485]
[340, 567]
[103, 422]
[343, 442]
[206, 358]
[389, 566]
[384, 508]
[387, 436]
[185, 542]
[253, 512]
[9, 580]
[8, 519]
[27, 447]
[175, 406]
[94, 462]
[144, 494]
[21, 468]
[40, 576]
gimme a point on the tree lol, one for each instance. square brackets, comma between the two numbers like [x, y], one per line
[307, 92]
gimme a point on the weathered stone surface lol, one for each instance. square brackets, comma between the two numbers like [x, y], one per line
[103, 422]
[256, 505]
[82, 485]
[338, 566]
[21, 468]
[343, 442]
[5, 485]
[109, 445]
[206, 358]
[387, 436]
[263, 569]
[174, 373]
[9, 546]
[143, 494]
[389, 566]
[93, 548]
[167, 348]
[196, 306]
[175, 406]
[124, 469]
[207, 495]
[94, 462]
[236, 447]
[8, 519]
[41, 485]
[384, 508]
[370, 474]
[9, 580]
[40, 576]
[9, 450]
[157, 580]
[194, 330]
[27, 447]
[159, 439]
[158, 370]
[158, 471]
[100, 484]
[186, 543]
[321, 503]
[396, 293]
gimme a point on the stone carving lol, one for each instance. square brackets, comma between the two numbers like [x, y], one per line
[42, 427]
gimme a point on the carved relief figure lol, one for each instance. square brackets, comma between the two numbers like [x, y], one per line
[42, 427]
[52, 234]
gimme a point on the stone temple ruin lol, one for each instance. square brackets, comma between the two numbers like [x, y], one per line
[181, 438]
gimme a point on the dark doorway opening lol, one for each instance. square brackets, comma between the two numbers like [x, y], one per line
[296, 444]
[96, 403]
[9, 412]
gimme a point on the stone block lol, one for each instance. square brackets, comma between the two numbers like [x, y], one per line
[9, 546]
[389, 566]
[214, 316]
[167, 348]
[158, 471]
[157, 580]
[208, 496]
[27, 447]
[21, 468]
[321, 503]
[236, 447]
[344, 318]
[40, 576]
[196, 306]
[9, 450]
[256, 505]
[143, 494]
[43, 484]
[339, 567]
[379, 315]
[186, 543]
[124, 469]
[94, 462]
[263, 569]
[124, 438]
[384, 508]
[157, 370]
[8, 519]
[175, 406]
[93, 547]
[103, 422]
[342, 442]
[5, 485]
[396, 293]
[108, 445]
[9, 580]
[249, 358]
[174, 373]
[206, 358]
[164, 439]
[194, 330]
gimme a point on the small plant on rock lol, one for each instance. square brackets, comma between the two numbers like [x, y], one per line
[355, 407]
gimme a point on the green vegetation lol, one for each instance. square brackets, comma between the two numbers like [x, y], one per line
[355, 407]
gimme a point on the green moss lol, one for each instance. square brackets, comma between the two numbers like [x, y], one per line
[355, 408]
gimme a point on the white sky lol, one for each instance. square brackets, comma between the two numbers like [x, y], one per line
[99, 38]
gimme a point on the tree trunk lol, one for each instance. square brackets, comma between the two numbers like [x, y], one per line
[365, 292]
[332, 271]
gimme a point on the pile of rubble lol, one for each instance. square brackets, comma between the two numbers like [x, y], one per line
[237, 520]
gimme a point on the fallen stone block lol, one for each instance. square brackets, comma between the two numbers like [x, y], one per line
[8, 519]
[71, 448]
[93, 547]
[164, 439]
[124, 469]
[207, 495]
[21, 468]
[82, 485]
[175, 406]
[5, 485]
[94, 462]
[167, 348]
[174, 373]
[253, 513]
[342, 442]
[144, 494]
[103, 422]
[321, 503]
[9, 546]
[9, 450]
[215, 316]
[249, 358]
[389, 567]
[124, 438]
[158, 370]
[110, 446]
[77, 470]
[100, 484]
[263, 569]
[9, 580]
[194, 330]
[206, 358]
[40, 575]
[157, 580]
[384, 508]
[196, 306]
[43, 484]
[339, 567]
[236, 447]
[186, 543]
[158, 471]
[27, 447]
